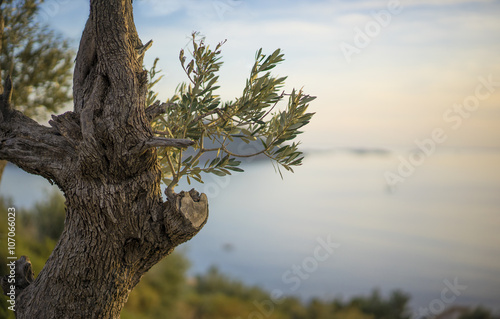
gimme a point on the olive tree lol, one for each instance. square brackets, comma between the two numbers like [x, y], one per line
[110, 155]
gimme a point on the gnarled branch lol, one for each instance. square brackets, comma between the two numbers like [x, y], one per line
[161, 142]
[35, 148]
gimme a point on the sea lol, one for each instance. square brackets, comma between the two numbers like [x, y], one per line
[346, 222]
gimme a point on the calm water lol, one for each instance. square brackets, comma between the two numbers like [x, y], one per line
[438, 228]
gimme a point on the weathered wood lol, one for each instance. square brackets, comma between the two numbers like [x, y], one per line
[157, 109]
[102, 155]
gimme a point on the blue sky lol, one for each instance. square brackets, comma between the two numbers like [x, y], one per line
[408, 65]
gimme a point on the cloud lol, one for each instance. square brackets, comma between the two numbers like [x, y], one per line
[166, 7]
[377, 4]
[200, 9]
[421, 63]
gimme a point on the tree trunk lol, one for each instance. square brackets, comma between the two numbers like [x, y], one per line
[103, 157]
[2, 162]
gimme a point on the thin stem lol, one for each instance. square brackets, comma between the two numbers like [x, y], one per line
[169, 133]
[201, 116]
[223, 148]
[195, 158]
[187, 167]
[189, 76]
[171, 165]
[180, 164]
[245, 156]
[279, 99]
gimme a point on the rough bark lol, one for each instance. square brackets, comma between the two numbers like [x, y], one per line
[2, 162]
[102, 155]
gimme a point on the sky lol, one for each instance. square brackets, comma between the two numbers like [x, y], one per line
[386, 73]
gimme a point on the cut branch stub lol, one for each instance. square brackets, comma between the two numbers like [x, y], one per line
[142, 49]
[68, 125]
[160, 142]
[188, 217]
[194, 208]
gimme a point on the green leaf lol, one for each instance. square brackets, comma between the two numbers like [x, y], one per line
[187, 160]
[218, 173]
[214, 162]
[197, 178]
[256, 115]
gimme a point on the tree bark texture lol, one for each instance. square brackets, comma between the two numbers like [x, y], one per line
[102, 155]
[2, 162]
